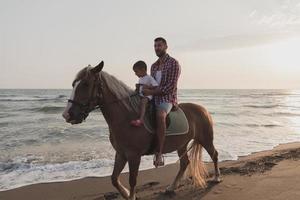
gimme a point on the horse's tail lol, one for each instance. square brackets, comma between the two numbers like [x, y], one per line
[197, 170]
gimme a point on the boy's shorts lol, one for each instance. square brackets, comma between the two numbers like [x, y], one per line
[165, 106]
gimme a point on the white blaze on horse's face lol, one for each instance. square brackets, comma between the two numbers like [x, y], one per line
[66, 114]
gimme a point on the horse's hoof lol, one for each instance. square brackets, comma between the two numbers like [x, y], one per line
[170, 191]
[217, 180]
[111, 195]
[133, 198]
[170, 188]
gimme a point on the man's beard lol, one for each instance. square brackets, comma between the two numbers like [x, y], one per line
[160, 53]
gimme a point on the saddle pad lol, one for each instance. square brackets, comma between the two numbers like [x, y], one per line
[178, 124]
[177, 121]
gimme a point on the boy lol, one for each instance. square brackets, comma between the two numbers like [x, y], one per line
[145, 81]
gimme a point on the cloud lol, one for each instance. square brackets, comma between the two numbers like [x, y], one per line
[264, 24]
[253, 13]
[236, 41]
[286, 15]
[280, 20]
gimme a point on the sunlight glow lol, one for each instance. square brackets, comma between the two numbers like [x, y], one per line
[285, 54]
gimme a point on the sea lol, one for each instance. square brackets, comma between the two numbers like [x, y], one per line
[37, 145]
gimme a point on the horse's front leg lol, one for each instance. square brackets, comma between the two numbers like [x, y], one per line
[120, 161]
[134, 163]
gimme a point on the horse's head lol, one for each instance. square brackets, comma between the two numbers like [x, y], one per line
[85, 95]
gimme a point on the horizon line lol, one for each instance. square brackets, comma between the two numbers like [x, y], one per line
[178, 88]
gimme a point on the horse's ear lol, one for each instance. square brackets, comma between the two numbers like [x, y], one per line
[98, 68]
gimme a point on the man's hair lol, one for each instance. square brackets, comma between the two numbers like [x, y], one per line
[140, 65]
[160, 39]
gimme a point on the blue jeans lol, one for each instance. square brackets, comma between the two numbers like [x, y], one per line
[165, 106]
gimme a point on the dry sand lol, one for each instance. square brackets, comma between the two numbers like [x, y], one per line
[273, 174]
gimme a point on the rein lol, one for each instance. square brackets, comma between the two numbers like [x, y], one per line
[86, 108]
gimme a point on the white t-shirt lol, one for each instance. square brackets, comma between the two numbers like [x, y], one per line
[147, 80]
[158, 76]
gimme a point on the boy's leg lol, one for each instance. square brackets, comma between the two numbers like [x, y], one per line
[143, 105]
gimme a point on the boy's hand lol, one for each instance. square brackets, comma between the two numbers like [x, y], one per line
[147, 92]
[146, 86]
[137, 87]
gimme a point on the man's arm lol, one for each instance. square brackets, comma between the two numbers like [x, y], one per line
[152, 90]
[172, 76]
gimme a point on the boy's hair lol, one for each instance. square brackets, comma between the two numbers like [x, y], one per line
[160, 39]
[140, 65]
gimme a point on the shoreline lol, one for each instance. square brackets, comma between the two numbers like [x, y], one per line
[142, 168]
[152, 182]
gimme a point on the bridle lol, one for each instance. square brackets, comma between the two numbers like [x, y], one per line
[88, 107]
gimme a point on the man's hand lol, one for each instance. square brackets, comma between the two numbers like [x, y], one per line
[147, 92]
[147, 87]
[152, 91]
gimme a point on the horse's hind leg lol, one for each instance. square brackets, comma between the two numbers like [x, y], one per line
[120, 161]
[213, 153]
[184, 162]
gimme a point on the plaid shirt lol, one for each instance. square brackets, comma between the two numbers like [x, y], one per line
[170, 72]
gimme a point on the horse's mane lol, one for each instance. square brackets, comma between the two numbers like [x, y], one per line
[116, 86]
[119, 89]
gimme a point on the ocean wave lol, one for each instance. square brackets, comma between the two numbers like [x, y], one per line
[249, 125]
[268, 94]
[19, 162]
[23, 171]
[33, 98]
[27, 171]
[4, 124]
[56, 97]
[284, 114]
[272, 106]
[4, 115]
[47, 109]
[291, 106]
[262, 106]
[8, 95]
[263, 125]
[224, 113]
[44, 109]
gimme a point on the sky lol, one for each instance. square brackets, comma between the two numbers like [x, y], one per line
[230, 44]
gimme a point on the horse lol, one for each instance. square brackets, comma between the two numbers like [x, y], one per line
[94, 88]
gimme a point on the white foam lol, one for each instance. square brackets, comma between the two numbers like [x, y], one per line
[25, 171]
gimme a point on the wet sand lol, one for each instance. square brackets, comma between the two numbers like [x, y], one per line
[273, 174]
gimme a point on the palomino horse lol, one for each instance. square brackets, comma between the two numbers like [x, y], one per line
[93, 88]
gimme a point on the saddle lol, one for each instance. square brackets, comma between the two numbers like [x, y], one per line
[176, 121]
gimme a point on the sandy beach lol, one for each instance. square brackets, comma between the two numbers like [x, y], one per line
[270, 174]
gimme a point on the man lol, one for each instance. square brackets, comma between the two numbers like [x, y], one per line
[166, 71]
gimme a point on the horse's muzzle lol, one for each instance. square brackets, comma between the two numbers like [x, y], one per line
[69, 119]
